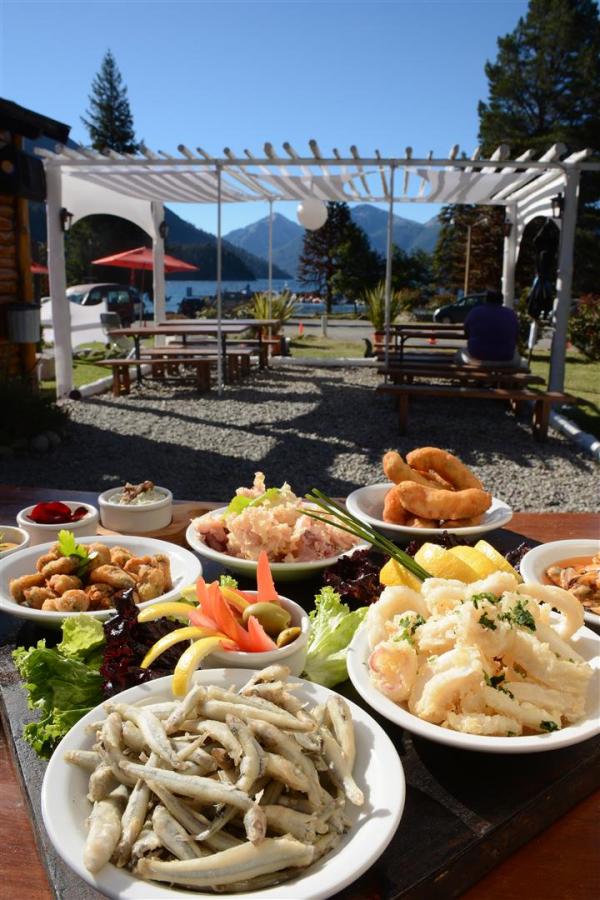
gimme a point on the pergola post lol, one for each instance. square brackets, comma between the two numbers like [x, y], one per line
[158, 263]
[509, 260]
[388, 265]
[219, 276]
[564, 281]
[270, 257]
[61, 312]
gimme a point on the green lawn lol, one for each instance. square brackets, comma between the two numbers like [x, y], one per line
[312, 345]
[582, 379]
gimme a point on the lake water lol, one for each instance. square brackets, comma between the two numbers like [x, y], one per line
[176, 291]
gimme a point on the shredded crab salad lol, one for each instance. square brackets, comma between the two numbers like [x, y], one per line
[486, 658]
[273, 520]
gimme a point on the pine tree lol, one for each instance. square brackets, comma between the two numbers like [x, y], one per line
[337, 258]
[109, 119]
[449, 258]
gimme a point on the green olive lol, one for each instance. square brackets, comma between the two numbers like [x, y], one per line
[288, 635]
[273, 618]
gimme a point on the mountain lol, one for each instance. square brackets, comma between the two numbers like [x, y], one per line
[184, 241]
[288, 236]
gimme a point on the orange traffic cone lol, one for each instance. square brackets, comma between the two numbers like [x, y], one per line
[300, 329]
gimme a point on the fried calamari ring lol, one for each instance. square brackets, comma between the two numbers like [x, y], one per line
[445, 464]
[393, 510]
[396, 470]
[430, 503]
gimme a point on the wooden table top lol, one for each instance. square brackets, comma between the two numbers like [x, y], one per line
[559, 863]
[174, 329]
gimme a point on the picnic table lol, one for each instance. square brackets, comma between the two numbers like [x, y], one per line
[403, 332]
[450, 845]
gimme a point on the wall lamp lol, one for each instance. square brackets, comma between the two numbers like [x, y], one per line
[163, 230]
[558, 205]
[66, 219]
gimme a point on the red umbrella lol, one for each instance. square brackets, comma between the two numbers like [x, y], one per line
[141, 258]
[38, 269]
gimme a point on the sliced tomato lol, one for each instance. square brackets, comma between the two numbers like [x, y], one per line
[265, 586]
[259, 639]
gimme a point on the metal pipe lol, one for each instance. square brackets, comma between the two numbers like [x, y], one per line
[467, 261]
[61, 309]
[219, 299]
[270, 258]
[388, 266]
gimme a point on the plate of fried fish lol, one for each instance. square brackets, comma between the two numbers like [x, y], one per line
[255, 783]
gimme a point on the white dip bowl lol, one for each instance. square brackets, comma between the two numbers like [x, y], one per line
[135, 518]
[41, 534]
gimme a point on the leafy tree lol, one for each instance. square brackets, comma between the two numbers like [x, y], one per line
[109, 119]
[449, 258]
[544, 87]
[337, 257]
[411, 270]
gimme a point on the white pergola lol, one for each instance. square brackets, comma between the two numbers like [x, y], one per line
[136, 187]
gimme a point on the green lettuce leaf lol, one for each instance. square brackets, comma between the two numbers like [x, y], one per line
[63, 682]
[333, 626]
[81, 635]
[240, 503]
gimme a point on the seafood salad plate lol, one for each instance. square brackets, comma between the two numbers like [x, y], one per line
[571, 564]
[50, 582]
[494, 666]
[254, 783]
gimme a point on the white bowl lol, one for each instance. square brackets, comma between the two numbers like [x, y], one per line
[378, 772]
[185, 569]
[13, 535]
[586, 643]
[293, 655]
[293, 571]
[366, 504]
[536, 561]
[39, 534]
[135, 518]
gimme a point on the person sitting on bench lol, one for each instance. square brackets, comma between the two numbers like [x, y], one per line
[492, 331]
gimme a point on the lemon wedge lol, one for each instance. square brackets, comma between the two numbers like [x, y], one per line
[479, 562]
[442, 564]
[189, 661]
[497, 558]
[394, 573]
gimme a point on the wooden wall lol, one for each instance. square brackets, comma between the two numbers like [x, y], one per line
[15, 280]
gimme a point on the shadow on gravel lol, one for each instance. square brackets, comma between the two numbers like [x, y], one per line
[313, 428]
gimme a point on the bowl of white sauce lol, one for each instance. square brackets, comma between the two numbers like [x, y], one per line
[136, 509]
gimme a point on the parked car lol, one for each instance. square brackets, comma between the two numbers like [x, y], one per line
[120, 298]
[459, 310]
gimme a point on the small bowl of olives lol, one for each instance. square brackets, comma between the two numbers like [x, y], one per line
[286, 623]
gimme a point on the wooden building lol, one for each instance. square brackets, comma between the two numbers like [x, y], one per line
[21, 179]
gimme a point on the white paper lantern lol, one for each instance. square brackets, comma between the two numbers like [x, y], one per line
[312, 213]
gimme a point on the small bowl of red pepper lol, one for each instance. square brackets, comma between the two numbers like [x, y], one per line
[44, 520]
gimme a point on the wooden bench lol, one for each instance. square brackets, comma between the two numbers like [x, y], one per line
[460, 373]
[160, 367]
[542, 402]
[237, 359]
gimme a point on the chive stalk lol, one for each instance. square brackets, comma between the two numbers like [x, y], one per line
[349, 523]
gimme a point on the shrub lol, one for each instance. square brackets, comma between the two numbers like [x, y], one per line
[374, 300]
[410, 298]
[282, 307]
[584, 326]
[26, 412]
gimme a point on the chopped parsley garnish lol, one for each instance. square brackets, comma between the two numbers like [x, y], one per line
[520, 670]
[548, 726]
[409, 625]
[511, 734]
[483, 596]
[522, 616]
[494, 680]
[486, 622]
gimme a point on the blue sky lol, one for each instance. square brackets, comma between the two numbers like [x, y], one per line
[377, 73]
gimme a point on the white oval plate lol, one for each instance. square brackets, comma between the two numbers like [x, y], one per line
[366, 504]
[536, 561]
[378, 772]
[587, 644]
[295, 571]
[185, 569]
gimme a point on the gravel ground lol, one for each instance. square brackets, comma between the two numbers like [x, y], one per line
[315, 427]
